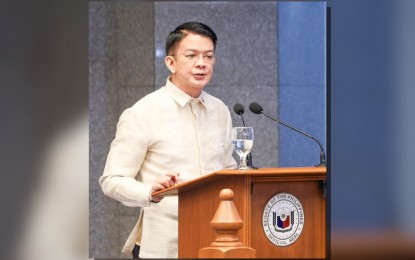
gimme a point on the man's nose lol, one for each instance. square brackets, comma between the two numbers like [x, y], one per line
[200, 60]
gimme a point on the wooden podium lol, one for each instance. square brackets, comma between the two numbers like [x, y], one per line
[253, 189]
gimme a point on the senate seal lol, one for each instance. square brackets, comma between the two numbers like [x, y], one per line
[283, 219]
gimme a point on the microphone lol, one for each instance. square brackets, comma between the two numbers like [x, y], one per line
[257, 109]
[239, 110]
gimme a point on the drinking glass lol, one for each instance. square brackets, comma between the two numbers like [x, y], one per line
[243, 140]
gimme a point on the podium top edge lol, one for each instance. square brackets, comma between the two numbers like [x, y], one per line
[293, 173]
[280, 170]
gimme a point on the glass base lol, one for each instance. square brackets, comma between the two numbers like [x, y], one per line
[245, 168]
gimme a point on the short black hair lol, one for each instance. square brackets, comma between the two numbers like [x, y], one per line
[174, 37]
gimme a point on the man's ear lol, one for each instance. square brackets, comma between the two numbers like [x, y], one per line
[170, 63]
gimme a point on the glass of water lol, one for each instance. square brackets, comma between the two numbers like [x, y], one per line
[243, 140]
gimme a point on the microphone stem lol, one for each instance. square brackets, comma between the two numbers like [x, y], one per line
[322, 155]
[243, 121]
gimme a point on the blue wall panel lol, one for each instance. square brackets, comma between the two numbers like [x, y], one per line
[302, 80]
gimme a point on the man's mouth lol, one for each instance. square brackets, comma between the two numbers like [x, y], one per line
[199, 75]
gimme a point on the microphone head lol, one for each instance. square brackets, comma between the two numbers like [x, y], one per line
[255, 108]
[238, 109]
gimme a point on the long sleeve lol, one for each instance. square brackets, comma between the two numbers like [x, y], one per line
[128, 149]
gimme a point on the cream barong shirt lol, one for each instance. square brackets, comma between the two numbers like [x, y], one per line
[166, 131]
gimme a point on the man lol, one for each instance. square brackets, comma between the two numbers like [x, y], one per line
[172, 135]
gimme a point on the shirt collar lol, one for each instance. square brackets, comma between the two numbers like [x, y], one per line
[181, 97]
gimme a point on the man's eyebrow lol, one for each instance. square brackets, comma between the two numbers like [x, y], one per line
[198, 51]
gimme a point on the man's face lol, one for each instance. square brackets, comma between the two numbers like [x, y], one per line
[192, 64]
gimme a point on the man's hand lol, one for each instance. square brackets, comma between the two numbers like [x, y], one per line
[163, 182]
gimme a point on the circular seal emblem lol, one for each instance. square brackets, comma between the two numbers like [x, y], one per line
[283, 219]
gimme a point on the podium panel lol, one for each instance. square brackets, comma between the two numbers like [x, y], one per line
[311, 242]
[197, 208]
